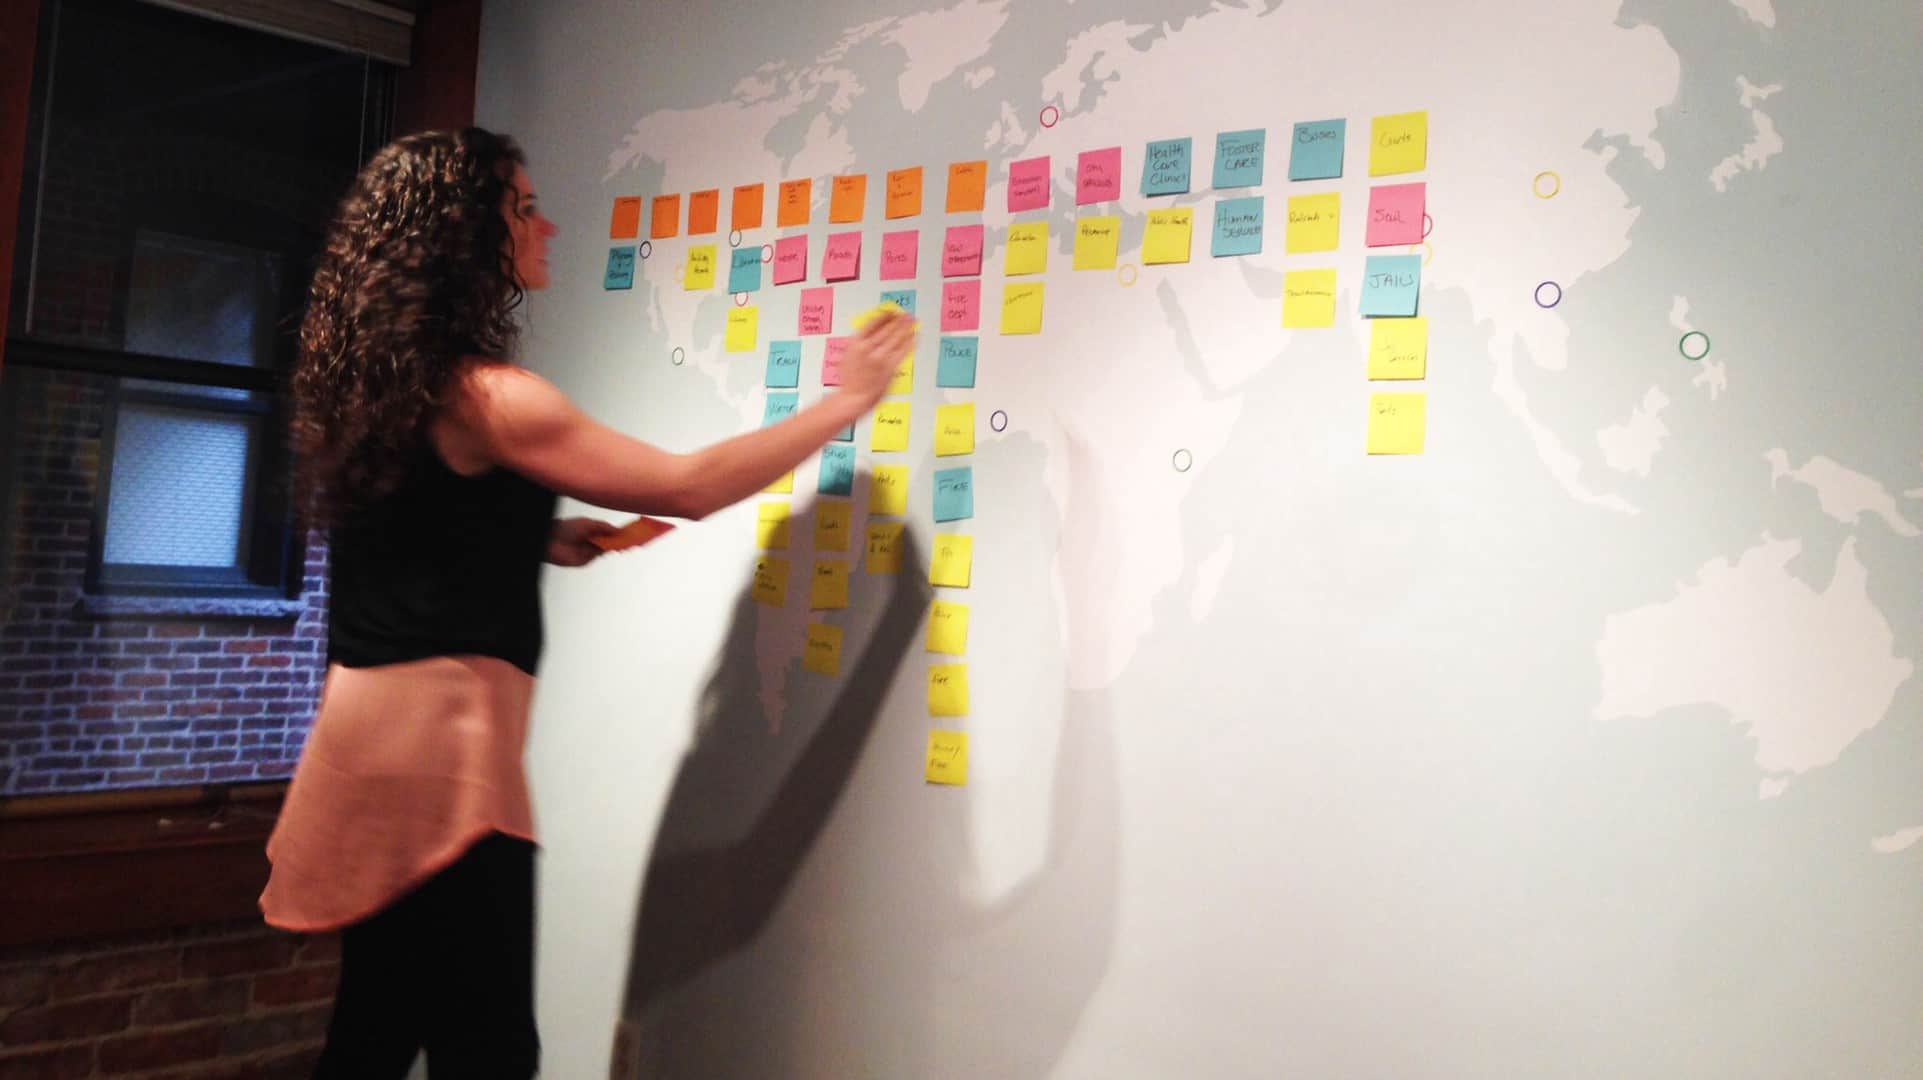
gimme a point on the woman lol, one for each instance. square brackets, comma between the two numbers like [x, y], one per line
[436, 464]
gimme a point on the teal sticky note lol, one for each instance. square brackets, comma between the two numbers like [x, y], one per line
[1238, 227]
[1165, 168]
[784, 363]
[837, 469]
[781, 405]
[744, 269]
[1238, 158]
[954, 494]
[1315, 151]
[846, 434]
[955, 362]
[901, 298]
[1390, 284]
[620, 273]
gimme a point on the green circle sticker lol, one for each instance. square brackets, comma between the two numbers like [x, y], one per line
[1700, 350]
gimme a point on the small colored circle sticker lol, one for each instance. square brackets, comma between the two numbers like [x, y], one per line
[1126, 274]
[1050, 116]
[1693, 345]
[1183, 461]
[734, 238]
[678, 357]
[1428, 226]
[767, 253]
[1547, 185]
[998, 420]
[1428, 251]
[647, 249]
[740, 299]
[1548, 294]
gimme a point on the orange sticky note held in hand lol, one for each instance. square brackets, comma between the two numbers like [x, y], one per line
[632, 535]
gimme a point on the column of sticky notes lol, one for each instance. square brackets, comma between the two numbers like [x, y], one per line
[1391, 285]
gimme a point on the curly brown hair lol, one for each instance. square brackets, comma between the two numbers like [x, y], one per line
[415, 279]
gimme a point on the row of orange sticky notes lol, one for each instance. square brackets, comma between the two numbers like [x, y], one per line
[847, 201]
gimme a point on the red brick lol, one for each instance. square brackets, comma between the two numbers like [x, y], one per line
[191, 1001]
[67, 1020]
[117, 971]
[155, 1049]
[296, 986]
[320, 949]
[282, 1029]
[245, 645]
[63, 1063]
[240, 957]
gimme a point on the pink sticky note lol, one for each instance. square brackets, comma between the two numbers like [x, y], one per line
[842, 260]
[1028, 184]
[898, 253]
[1395, 215]
[961, 251]
[961, 304]
[1098, 176]
[831, 361]
[791, 260]
[817, 311]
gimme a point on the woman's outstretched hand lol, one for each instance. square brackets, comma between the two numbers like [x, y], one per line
[873, 356]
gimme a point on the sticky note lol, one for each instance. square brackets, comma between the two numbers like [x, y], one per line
[901, 298]
[961, 251]
[781, 405]
[831, 525]
[890, 433]
[955, 494]
[947, 759]
[888, 490]
[784, 364]
[947, 628]
[841, 261]
[1165, 168]
[903, 381]
[1399, 143]
[882, 308]
[625, 223]
[1399, 348]
[955, 429]
[791, 202]
[704, 212]
[1238, 227]
[1028, 184]
[967, 181]
[1097, 239]
[1396, 423]
[745, 211]
[1390, 284]
[620, 272]
[948, 690]
[1027, 250]
[954, 558]
[847, 198]
[739, 335]
[955, 363]
[828, 587]
[791, 259]
[699, 271]
[1315, 223]
[898, 255]
[831, 360]
[817, 311]
[884, 547]
[783, 485]
[1308, 298]
[632, 535]
[1238, 158]
[961, 305]
[664, 220]
[1315, 151]
[1395, 215]
[744, 269]
[821, 651]
[771, 526]
[1022, 308]
[770, 582]
[1098, 175]
[1167, 237]
[904, 193]
[846, 434]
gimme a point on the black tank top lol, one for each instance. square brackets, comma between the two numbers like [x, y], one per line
[446, 565]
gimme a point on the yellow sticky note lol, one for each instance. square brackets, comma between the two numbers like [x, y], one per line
[891, 427]
[1027, 251]
[1308, 298]
[954, 560]
[955, 430]
[828, 589]
[904, 380]
[1167, 238]
[740, 333]
[1097, 239]
[884, 547]
[1396, 423]
[832, 521]
[1022, 308]
[876, 312]
[699, 273]
[948, 628]
[947, 758]
[771, 526]
[888, 490]
[948, 690]
[771, 582]
[1399, 348]
[821, 653]
[1315, 223]
[1399, 143]
[783, 485]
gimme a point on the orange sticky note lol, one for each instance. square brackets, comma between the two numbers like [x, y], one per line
[904, 192]
[666, 218]
[632, 535]
[848, 198]
[748, 200]
[966, 182]
[626, 224]
[791, 203]
[704, 212]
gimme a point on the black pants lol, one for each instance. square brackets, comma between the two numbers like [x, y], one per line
[448, 968]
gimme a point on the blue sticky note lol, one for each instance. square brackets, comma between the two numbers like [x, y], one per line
[744, 269]
[1390, 284]
[837, 469]
[1238, 158]
[955, 366]
[1238, 227]
[1165, 168]
[620, 273]
[784, 363]
[1315, 153]
[901, 298]
[954, 494]
[781, 405]
[846, 434]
